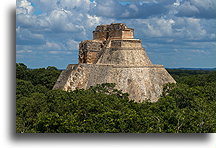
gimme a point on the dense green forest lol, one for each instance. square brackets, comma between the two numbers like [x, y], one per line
[185, 107]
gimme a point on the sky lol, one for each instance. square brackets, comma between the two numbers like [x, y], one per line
[174, 33]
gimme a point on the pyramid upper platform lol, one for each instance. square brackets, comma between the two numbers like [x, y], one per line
[113, 31]
[113, 44]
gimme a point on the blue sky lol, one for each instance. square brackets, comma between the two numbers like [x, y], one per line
[175, 33]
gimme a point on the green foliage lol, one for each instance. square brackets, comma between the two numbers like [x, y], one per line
[193, 77]
[22, 72]
[185, 107]
[45, 77]
[23, 88]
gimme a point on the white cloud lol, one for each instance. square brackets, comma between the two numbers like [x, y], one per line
[196, 8]
[177, 3]
[25, 36]
[157, 27]
[73, 5]
[72, 45]
[54, 52]
[59, 52]
[106, 8]
[72, 17]
[83, 5]
[191, 29]
[178, 28]
[187, 9]
[23, 51]
[24, 7]
[60, 20]
[204, 4]
[93, 20]
[52, 45]
[199, 51]
[57, 26]
[133, 9]
[45, 5]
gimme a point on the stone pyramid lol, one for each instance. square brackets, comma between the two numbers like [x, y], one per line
[114, 56]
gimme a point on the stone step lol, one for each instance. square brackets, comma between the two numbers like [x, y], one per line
[75, 76]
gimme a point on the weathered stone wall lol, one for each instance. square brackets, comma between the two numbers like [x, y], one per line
[100, 35]
[62, 81]
[128, 34]
[126, 43]
[88, 51]
[78, 78]
[115, 34]
[125, 52]
[113, 31]
[141, 83]
[92, 57]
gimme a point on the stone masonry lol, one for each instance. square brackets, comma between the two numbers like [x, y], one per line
[114, 56]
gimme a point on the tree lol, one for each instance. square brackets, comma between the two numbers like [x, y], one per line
[185, 107]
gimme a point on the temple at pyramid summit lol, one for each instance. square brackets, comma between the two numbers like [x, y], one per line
[114, 56]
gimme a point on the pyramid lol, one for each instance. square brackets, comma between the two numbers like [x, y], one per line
[114, 56]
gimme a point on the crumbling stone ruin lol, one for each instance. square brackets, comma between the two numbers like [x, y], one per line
[114, 56]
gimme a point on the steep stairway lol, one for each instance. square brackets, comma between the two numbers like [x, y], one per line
[106, 45]
[75, 77]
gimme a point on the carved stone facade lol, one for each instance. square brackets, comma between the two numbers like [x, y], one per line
[114, 56]
[89, 50]
[113, 31]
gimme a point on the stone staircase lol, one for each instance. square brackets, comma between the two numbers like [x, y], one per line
[75, 77]
[64, 76]
[106, 45]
